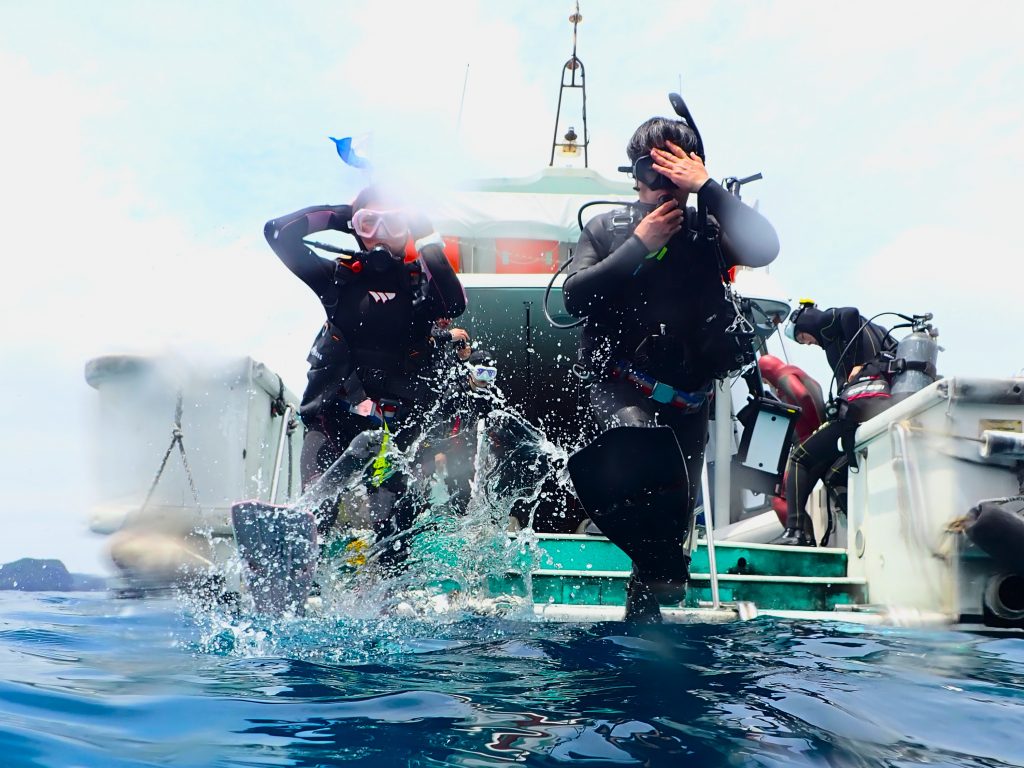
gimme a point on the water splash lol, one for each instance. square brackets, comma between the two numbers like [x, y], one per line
[451, 560]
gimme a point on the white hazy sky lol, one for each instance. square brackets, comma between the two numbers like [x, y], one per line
[143, 145]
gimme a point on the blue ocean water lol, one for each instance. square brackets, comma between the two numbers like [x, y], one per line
[93, 681]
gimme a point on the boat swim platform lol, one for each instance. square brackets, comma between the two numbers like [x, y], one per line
[728, 613]
[561, 573]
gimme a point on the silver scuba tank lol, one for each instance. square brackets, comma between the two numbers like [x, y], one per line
[916, 355]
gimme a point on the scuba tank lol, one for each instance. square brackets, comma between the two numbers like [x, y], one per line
[916, 355]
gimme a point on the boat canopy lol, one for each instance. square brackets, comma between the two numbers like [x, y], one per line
[543, 206]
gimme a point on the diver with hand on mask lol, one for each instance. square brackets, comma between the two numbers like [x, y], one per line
[374, 363]
[648, 279]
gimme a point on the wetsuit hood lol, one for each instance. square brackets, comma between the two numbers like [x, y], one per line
[811, 320]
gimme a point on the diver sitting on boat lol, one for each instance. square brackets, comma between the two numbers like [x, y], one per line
[858, 353]
[793, 385]
[649, 279]
[374, 364]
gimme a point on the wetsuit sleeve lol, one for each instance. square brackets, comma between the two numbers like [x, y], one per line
[444, 289]
[748, 239]
[285, 233]
[595, 275]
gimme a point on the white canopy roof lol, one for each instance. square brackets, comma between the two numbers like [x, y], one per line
[542, 207]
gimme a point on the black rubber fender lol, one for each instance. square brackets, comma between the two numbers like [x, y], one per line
[997, 528]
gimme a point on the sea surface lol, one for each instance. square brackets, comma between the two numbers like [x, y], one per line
[90, 680]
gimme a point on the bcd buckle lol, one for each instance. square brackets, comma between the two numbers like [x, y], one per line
[662, 393]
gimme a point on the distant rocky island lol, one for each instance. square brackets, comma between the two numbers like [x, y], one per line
[35, 575]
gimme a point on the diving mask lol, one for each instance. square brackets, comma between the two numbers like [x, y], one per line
[790, 329]
[367, 222]
[483, 374]
[644, 171]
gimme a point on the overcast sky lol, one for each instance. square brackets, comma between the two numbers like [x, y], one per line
[143, 145]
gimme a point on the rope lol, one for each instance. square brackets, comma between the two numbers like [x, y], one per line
[279, 407]
[176, 439]
[292, 426]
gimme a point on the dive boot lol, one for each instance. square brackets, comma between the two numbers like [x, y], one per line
[794, 537]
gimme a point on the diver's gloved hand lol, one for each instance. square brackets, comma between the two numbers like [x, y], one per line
[341, 216]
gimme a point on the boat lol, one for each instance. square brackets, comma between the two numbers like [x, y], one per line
[177, 441]
[903, 555]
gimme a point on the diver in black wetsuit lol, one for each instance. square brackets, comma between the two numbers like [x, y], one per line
[645, 288]
[856, 351]
[374, 362]
[450, 446]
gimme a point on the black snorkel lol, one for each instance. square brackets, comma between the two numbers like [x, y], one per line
[681, 109]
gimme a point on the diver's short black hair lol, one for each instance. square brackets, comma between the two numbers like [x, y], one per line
[656, 132]
[481, 357]
[374, 196]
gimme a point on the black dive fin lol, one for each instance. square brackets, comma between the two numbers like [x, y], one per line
[279, 548]
[633, 483]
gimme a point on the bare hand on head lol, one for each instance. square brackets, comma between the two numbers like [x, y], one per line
[658, 226]
[459, 334]
[686, 170]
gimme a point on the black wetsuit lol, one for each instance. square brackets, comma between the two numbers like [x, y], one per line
[645, 311]
[376, 343]
[818, 457]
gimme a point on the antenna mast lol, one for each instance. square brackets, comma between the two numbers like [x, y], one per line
[572, 68]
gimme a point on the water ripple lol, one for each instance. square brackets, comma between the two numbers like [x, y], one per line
[96, 682]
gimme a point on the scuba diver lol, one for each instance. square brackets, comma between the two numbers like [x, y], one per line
[858, 352]
[449, 449]
[650, 283]
[374, 363]
[792, 385]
